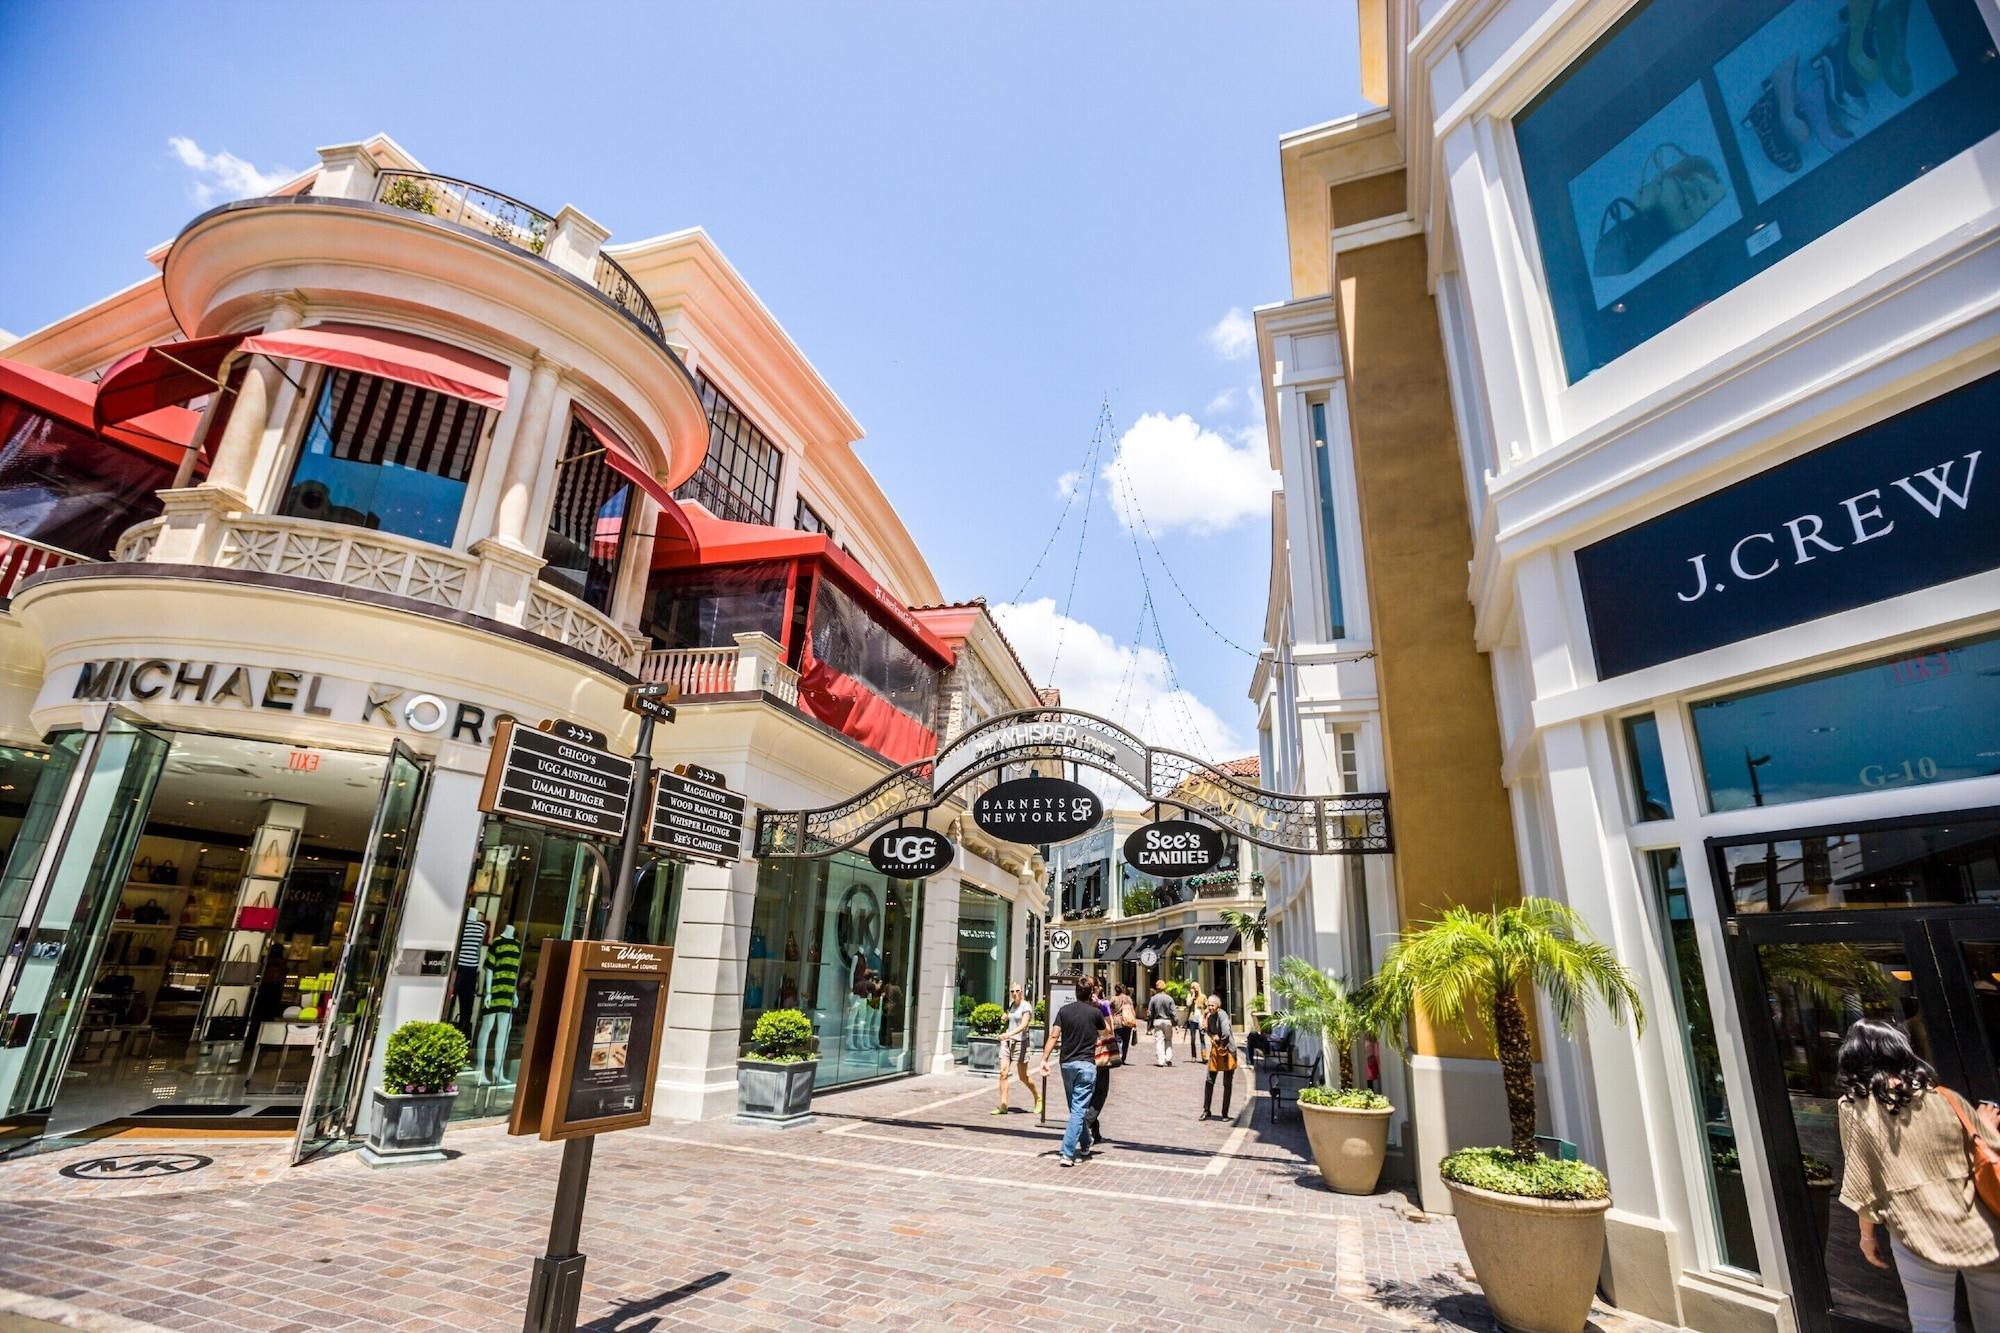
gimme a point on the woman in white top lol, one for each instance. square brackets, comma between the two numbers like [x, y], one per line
[1014, 1047]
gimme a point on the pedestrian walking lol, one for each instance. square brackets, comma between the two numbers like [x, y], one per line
[1105, 1057]
[1014, 1048]
[1910, 1146]
[1125, 1017]
[1221, 1056]
[1160, 1009]
[1073, 1033]
[1195, 1011]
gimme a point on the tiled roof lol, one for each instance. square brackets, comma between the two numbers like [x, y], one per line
[1247, 767]
[1050, 696]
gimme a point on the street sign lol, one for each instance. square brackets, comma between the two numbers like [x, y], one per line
[575, 732]
[700, 774]
[1103, 947]
[538, 776]
[649, 705]
[696, 819]
[656, 690]
[1059, 940]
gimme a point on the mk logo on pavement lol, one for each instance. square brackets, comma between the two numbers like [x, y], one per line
[136, 1166]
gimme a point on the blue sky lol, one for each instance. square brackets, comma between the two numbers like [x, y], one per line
[977, 220]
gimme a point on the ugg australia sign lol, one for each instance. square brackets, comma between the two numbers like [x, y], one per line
[1903, 505]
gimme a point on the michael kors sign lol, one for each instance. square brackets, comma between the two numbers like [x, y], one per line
[1903, 505]
[279, 690]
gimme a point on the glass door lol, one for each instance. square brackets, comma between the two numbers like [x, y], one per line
[353, 1007]
[60, 888]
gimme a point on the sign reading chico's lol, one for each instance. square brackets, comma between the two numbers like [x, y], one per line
[1897, 507]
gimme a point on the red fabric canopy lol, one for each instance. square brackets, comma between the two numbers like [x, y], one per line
[166, 433]
[176, 372]
[156, 377]
[721, 542]
[628, 465]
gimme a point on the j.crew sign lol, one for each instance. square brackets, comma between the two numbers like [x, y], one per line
[1900, 506]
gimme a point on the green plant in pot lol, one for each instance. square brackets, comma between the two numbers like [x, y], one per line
[982, 1042]
[419, 1084]
[1348, 1127]
[1533, 1226]
[774, 1077]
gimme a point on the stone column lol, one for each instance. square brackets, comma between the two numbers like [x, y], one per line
[524, 459]
[346, 171]
[705, 999]
[628, 602]
[937, 975]
[575, 238]
[758, 657]
[249, 417]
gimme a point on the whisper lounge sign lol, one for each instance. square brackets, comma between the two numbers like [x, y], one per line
[1903, 505]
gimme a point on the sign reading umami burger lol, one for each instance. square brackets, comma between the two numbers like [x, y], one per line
[695, 818]
[537, 776]
[1037, 810]
[910, 853]
[1174, 848]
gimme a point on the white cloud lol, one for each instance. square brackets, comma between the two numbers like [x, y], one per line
[1222, 402]
[1233, 337]
[1127, 683]
[224, 175]
[1066, 484]
[1181, 475]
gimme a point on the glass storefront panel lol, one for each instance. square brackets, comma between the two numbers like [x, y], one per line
[1699, 142]
[1908, 720]
[1953, 863]
[1650, 800]
[837, 940]
[984, 922]
[1727, 1196]
[29, 826]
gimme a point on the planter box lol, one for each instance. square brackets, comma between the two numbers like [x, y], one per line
[1348, 1145]
[770, 1090]
[982, 1054]
[408, 1127]
[1537, 1260]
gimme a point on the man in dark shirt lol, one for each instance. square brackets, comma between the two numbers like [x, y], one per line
[1074, 1035]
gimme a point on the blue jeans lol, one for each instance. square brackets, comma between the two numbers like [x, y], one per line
[1079, 1081]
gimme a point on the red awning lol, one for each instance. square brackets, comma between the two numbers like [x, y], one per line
[176, 372]
[629, 466]
[166, 433]
[156, 377]
[721, 542]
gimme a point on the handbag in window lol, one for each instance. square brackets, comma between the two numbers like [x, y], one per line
[150, 913]
[257, 914]
[166, 872]
[226, 1024]
[239, 969]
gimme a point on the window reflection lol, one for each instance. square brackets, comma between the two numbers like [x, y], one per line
[1927, 865]
[384, 455]
[1649, 769]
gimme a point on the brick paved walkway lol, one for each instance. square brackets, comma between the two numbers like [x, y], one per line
[903, 1205]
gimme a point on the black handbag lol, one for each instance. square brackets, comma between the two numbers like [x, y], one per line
[228, 1025]
[165, 873]
[149, 913]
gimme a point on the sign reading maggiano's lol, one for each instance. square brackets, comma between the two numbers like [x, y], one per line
[278, 690]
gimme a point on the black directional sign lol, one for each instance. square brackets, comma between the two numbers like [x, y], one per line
[651, 701]
[696, 819]
[539, 776]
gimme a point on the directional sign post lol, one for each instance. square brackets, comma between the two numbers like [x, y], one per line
[651, 701]
[538, 776]
[693, 816]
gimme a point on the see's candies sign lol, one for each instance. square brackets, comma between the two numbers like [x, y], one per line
[1174, 849]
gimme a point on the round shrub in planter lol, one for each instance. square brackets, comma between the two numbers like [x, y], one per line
[419, 1084]
[1534, 1230]
[982, 1044]
[774, 1080]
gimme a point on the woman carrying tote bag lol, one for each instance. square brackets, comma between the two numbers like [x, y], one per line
[1221, 1057]
[1915, 1158]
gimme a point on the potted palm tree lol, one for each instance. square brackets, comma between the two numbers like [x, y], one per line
[1533, 1226]
[982, 1042]
[774, 1078]
[1348, 1127]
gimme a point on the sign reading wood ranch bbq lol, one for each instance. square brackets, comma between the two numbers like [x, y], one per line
[536, 776]
[694, 817]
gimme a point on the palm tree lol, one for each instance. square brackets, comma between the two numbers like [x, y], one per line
[1316, 1001]
[1479, 962]
[1246, 924]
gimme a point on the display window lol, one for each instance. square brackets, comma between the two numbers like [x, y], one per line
[708, 608]
[585, 543]
[837, 940]
[66, 488]
[984, 922]
[1699, 142]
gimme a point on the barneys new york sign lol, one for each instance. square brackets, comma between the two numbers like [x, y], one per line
[1903, 505]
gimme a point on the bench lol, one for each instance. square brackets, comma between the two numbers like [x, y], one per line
[1305, 1080]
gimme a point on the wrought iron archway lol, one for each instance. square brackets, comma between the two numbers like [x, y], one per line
[1311, 825]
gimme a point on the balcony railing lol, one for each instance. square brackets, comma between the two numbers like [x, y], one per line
[20, 557]
[712, 671]
[510, 222]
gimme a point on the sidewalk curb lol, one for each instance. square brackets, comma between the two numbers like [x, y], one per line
[17, 1306]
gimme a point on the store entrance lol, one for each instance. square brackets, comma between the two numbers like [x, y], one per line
[186, 906]
[1897, 922]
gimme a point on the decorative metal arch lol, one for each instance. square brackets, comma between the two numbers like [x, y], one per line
[1313, 825]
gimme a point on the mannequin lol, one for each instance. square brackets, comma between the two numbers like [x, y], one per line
[471, 953]
[503, 973]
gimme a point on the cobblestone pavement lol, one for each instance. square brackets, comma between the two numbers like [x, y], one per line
[905, 1205]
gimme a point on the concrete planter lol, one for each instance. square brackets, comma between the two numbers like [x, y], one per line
[408, 1127]
[1537, 1260]
[982, 1054]
[1348, 1145]
[774, 1090]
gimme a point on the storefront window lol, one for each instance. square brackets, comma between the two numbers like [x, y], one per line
[1918, 718]
[1714, 1124]
[385, 455]
[984, 920]
[586, 536]
[859, 677]
[838, 941]
[738, 479]
[1649, 770]
[1700, 142]
[1954, 862]
[708, 608]
[64, 487]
